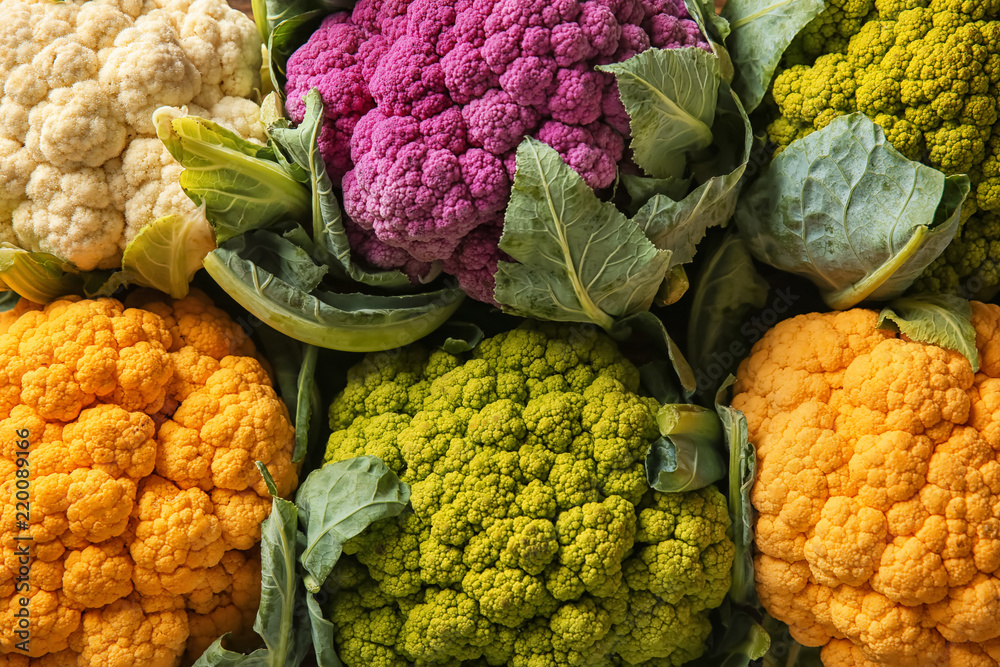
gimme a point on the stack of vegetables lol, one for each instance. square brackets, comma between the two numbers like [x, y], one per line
[516, 333]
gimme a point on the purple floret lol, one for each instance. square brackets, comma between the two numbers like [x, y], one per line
[427, 100]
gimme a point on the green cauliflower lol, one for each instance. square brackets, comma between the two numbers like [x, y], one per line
[534, 539]
[927, 72]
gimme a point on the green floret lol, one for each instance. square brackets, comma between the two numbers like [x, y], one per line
[528, 492]
[927, 72]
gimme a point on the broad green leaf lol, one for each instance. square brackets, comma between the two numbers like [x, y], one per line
[679, 224]
[760, 31]
[165, 254]
[37, 276]
[742, 473]
[688, 455]
[459, 337]
[337, 502]
[581, 260]
[351, 322]
[332, 245]
[939, 319]
[241, 184]
[670, 96]
[728, 287]
[846, 210]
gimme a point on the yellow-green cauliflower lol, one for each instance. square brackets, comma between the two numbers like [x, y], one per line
[928, 72]
[81, 168]
[534, 539]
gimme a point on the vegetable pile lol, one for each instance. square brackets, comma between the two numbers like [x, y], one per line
[132, 504]
[718, 398]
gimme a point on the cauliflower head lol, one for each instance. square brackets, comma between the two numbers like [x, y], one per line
[927, 72]
[131, 505]
[533, 540]
[427, 100]
[81, 168]
[877, 490]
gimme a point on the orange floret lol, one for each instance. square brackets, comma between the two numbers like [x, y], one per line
[877, 490]
[131, 433]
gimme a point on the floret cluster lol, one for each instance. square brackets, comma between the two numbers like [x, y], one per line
[534, 538]
[427, 100]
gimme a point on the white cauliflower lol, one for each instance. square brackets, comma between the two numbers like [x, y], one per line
[81, 169]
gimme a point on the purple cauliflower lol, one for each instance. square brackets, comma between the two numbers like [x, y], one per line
[427, 100]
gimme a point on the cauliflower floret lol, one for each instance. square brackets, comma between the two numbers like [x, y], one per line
[81, 169]
[534, 538]
[139, 533]
[876, 488]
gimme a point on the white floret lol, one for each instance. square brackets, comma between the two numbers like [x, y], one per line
[81, 169]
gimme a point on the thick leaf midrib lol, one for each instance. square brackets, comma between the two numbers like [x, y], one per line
[560, 234]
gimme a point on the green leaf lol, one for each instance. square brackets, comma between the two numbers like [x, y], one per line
[284, 39]
[715, 27]
[350, 322]
[939, 319]
[649, 329]
[283, 259]
[843, 208]
[761, 30]
[670, 96]
[332, 245]
[322, 635]
[728, 287]
[742, 473]
[642, 188]
[737, 639]
[165, 255]
[216, 656]
[303, 403]
[688, 456]
[581, 259]
[340, 500]
[8, 300]
[459, 337]
[37, 276]
[241, 184]
[280, 595]
[281, 617]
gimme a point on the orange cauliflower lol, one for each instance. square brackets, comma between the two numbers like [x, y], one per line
[878, 489]
[130, 506]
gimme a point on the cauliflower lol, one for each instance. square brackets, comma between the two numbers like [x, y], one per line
[877, 489]
[131, 503]
[928, 72]
[427, 100]
[533, 539]
[81, 169]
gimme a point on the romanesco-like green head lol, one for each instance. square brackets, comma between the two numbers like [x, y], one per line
[928, 72]
[532, 539]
